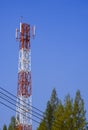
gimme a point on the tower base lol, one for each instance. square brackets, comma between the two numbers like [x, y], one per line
[23, 127]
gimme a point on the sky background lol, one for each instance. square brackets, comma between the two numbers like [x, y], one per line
[59, 50]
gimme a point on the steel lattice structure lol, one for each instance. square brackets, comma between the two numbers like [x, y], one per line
[24, 89]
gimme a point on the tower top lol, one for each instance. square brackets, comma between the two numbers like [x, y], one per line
[24, 29]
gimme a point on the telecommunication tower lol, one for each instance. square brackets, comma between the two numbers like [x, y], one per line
[24, 89]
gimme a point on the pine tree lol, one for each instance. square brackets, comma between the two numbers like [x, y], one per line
[10, 127]
[68, 113]
[79, 112]
[58, 123]
[47, 122]
[4, 127]
[12, 123]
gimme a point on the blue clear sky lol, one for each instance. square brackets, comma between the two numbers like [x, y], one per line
[59, 51]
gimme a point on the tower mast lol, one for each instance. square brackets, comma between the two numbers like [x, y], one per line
[24, 88]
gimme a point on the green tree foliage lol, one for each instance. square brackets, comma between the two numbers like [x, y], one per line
[79, 112]
[47, 122]
[67, 116]
[10, 127]
[58, 123]
[63, 115]
[12, 123]
[4, 127]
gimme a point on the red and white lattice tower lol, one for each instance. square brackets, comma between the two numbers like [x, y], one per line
[24, 89]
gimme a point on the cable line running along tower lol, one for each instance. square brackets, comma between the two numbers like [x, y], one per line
[24, 89]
